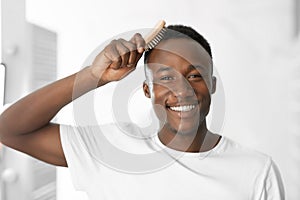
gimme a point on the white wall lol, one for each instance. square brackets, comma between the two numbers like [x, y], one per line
[254, 52]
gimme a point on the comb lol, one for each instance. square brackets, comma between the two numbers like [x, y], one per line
[155, 36]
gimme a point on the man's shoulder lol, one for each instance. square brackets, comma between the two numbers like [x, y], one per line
[119, 134]
[98, 128]
[244, 154]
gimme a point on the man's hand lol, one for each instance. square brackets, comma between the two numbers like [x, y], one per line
[117, 59]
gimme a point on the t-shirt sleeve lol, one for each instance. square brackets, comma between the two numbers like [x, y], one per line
[273, 188]
[77, 157]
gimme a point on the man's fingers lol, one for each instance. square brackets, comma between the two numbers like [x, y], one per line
[118, 58]
[139, 41]
[132, 48]
[123, 53]
[113, 55]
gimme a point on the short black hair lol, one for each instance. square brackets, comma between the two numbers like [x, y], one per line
[181, 31]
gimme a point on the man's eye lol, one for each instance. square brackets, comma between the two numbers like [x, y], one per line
[166, 78]
[195, 76]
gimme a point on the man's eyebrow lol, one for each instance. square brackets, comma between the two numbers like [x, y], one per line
[165, 68]
[190, 68]
[197, 67]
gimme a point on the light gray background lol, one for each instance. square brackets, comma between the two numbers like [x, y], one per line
[255, 48]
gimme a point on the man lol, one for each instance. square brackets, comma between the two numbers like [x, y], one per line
[182, 160]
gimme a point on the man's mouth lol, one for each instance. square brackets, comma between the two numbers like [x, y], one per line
[182, 108]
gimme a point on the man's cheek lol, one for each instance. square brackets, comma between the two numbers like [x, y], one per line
[160, 112]
[207, 84]
[161, 90]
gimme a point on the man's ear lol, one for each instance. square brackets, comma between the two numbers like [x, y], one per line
[146, 90]
[214, 85]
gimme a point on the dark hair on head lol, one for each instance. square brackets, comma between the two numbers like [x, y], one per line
[181, 31]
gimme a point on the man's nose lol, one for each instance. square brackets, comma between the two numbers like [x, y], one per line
[182, 88]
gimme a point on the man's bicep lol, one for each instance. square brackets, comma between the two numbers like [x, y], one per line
[274, 183]
[43, 144]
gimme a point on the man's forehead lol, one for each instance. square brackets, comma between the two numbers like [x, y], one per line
[156, 67]
[172, 51]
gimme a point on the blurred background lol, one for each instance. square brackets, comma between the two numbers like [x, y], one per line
[255, 45]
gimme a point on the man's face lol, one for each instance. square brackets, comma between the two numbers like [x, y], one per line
[182, 83]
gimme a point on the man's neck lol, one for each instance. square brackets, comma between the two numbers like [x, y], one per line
[200, 140]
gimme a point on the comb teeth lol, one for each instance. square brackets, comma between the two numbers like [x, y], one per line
[159, 36]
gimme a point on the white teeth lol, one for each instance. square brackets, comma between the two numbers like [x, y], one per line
[185, 108]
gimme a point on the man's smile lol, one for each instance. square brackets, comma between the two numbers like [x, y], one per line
[183, 108]
[186, 110]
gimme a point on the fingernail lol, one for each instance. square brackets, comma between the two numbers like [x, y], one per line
[129, 65]
[140, 49]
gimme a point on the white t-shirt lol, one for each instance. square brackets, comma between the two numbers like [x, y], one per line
[116, 162]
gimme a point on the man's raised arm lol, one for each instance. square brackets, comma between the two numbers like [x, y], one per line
[25, 125]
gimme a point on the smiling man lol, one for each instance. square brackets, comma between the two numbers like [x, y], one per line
[182, 160]
[182, 82]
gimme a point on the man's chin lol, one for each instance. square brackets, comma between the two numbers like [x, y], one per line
[183, 130]
[186, 132]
